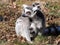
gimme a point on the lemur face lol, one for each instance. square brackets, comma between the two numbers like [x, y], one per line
[36, 6]
[27, 10]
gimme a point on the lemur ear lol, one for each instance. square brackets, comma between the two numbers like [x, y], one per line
[33, 4]
[24, 6]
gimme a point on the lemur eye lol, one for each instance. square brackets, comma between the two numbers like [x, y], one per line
[29, 13]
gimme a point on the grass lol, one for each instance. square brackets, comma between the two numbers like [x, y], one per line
[54, 7]
[39, 40]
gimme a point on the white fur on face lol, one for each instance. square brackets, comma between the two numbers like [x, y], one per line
[36, 6]
[27, 10]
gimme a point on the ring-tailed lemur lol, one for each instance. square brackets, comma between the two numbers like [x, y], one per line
[22, 24]
[38, 20]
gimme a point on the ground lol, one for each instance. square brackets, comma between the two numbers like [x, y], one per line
[51, 11]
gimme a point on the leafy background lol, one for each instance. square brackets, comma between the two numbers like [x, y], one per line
[51, 11]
